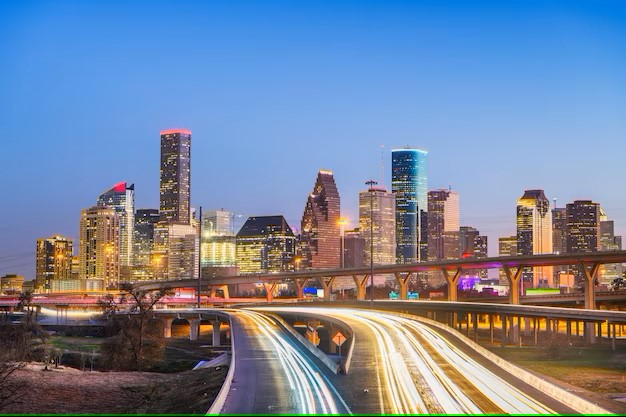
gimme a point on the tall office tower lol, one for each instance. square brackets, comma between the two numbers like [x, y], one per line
[99, 250]
[265, 244]
[473, 245]
[507, 246]
[534, 235]
[559, 240]
[383, 214]
[143, 244]
[176, 250]
[408, 184]
[219, 246]
[354, 249]
[583, 229]
[122, 198]
[175, 203]
[320, 231]
[609, 242]
[443, 216]
[54, 261]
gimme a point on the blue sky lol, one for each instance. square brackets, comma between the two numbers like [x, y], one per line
[505, 96]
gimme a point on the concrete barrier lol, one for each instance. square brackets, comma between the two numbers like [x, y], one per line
[332, 365]
[219, 401]
[579, 404]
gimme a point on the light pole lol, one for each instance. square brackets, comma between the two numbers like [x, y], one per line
[199, 257]
[371, 183]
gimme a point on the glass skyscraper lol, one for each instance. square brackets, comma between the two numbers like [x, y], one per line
[409, 185]
[143, 245]
[121, 198]
[175, 175]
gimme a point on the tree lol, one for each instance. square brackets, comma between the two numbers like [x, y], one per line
[138, 343]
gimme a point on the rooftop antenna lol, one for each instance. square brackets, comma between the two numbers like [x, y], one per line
[449, 187]
[382, 165]
[554, 199]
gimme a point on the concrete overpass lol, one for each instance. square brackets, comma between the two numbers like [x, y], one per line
[587, 263]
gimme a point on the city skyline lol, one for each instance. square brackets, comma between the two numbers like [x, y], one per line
[547, 109]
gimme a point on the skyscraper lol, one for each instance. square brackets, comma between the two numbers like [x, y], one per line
[559, 240]
[176, 249]
[54, 261]
[354, 249]
[609, 242]
[443, 216]
[583, 226]
[408, 184]
[384, 215]
[534, 234]
[143, 244]
[100, 247]
[175, 193]
[320, 231]
[473, 245]
[265, 244]
[219, 246]
[122, 199]
[507, 246]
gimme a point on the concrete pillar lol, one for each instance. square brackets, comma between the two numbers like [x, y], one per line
[300, 283]
[467, 323]
[403, 283]
[269, 289]
[167, 326]
[491, 328]
[216, 332]
[503, 339]
[513, 276]
[224, 289]
[327, 284]
[514, 326]
[361, 284]
[453, 282]
[475, 325]
[536, 329]
[332, 347]
[613, 336]
[568, 329]
[589, 277]
[194, 329]
[577, 328]
[527, 329]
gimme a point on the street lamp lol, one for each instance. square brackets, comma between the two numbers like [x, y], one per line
[342, 222]
[371, 183]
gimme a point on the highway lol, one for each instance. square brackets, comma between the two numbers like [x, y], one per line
[405, 366]
[272, 375]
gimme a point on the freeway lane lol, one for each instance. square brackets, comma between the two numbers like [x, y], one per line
[272, 374]
[408, 367]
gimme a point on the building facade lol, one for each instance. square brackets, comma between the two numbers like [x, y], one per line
[175, 195]
[121, 198]
[143, 244]
[534, 235]
[265, 244]
[507, 246]
[100, 247]
[320, 230]
[610, 242]
[219, 245]
[54, 261]
[354, 249]
[176, 251]
[473, 245]
[377, 208]
[409, 186]
[443, 217]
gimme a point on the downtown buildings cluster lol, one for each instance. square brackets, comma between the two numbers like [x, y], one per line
[119, 243]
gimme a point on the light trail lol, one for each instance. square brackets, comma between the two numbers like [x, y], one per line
[403, 346]
[314, 395]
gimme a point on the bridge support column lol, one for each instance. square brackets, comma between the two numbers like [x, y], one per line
[327, 284]
[536, 329]
[514, 329]
[403, 282]
[475, 325]
[577, 328]
[224, 289]
[453, 282]
[503, 338]
[361, 285]
[167, 326]
[613, 335]
[194, 329]
[513, 276]
[491, 328]
[216, 332]
[300, 283]
[270, 287]
[589, 278]
[568, 329]
[527, 329]
[332, 347]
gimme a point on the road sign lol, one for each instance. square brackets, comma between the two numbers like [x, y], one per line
[339, 339]
[313, 337]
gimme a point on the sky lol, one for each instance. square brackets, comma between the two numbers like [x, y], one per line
[505, 96]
